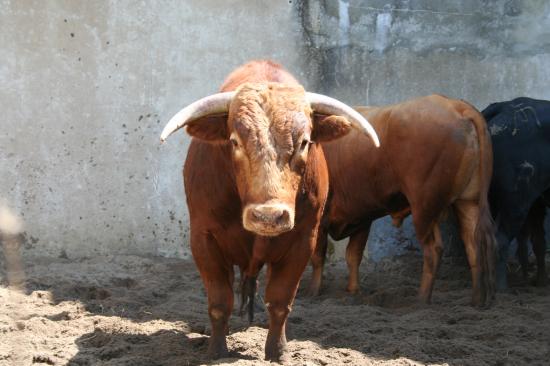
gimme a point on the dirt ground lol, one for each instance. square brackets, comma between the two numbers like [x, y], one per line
[129, 310]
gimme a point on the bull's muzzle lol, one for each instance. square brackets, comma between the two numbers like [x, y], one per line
[268, 219]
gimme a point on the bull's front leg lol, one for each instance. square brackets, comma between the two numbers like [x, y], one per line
[318, 262]
[217, 276]
[280, 292]
[275, 345]
[220, 305]
[354, 255]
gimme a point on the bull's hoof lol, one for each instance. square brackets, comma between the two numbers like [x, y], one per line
[276, 352]
[540, 281]
[312, 291]
[481, 303]
[352, 290]
[524, 281]
[282, 358]
[477, 302]
[481, 298]
[424, 298]
[217, 354]
[259, 306]
[501, 284]
[217, 349]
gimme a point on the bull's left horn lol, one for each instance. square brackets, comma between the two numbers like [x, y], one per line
[330, 106]
[216, 103]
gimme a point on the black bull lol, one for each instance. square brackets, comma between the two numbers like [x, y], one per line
[520, 133]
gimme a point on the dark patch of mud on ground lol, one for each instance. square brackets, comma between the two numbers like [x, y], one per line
[127, 310]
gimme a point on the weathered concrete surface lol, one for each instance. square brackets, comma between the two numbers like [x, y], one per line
[388, 51]
[86, 90]
[88, 86]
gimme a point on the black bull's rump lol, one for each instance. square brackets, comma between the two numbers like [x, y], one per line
[520, 133]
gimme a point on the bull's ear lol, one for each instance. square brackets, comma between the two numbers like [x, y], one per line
[328, 128]
[212, 128]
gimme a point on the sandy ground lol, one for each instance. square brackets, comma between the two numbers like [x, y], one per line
[151, 311]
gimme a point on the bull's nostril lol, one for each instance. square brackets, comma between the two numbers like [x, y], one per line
[283, 217]
[261, 216]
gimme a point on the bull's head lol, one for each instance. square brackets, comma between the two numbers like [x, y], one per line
[270, 128]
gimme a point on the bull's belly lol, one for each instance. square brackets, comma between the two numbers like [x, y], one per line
[343, 224]
[346, 217]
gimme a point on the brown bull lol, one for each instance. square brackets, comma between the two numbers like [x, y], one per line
[435, 154]
[256, 182]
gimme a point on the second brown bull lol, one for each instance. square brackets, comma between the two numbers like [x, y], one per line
[435, 155]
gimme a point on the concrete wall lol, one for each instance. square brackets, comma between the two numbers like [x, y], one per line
[86, 89]
[88, 86]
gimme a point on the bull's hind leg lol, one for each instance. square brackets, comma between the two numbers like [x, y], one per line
[523, 251]
[217, 276]
[468, 218]
[354, 255]
[503, 245]
[535, 223]
[539, 247]
[432, 250]
[317, 263]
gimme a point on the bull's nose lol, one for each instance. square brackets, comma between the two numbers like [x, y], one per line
[268, 219]
[270, 215]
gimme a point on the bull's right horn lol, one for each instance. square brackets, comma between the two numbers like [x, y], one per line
[327, 105]
[212, 104]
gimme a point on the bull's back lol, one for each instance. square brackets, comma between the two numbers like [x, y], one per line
[430, 144]
[258, 71]
[520, 134]
[518, 120]
[423, 144]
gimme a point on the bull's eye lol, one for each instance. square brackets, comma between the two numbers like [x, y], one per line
[234, 142]
[304, 144]
[298, 161]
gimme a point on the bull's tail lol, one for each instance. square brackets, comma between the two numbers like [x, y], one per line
[484, 234]
[248, 293]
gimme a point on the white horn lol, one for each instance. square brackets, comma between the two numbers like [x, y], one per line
[216, 103]
[330, 106]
